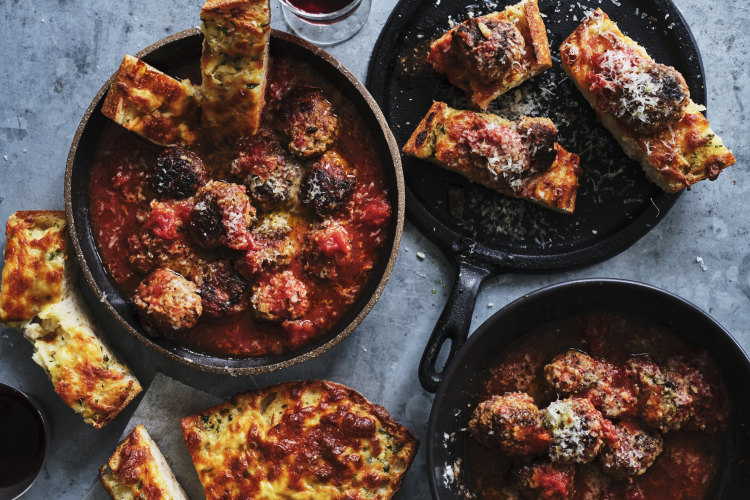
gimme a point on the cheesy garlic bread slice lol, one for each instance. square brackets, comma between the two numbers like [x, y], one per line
[519, 159]
[645, 105]
[162, 109]
[233, 63]
[305, 440]
[137, 469]
[488, 55]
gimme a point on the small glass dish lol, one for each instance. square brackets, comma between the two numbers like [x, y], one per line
[314, 20]
[24, 435]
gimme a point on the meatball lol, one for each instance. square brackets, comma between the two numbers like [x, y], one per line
[612, 394]
[167, 303]
[178, 173]
[488, 48]
[328, 250]
[571, 372]
[222, 289]
[516, 373]
[511, 424]
[221, 216]
[542, 480]
[645, 95]
[272, 245]
[280, 297]
[664, 400]
[327, 184]
[710, 401]
[307, 120]
[266, 169]
[632, 452]
[539, 135]
[593, 484]
[577, 429]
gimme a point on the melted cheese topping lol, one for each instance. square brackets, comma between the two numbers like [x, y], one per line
[569, 431]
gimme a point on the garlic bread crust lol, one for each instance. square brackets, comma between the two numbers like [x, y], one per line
[439, 139]
[233, 63]
[35, 253]
[137, 469]
[678, 155]
[162, 109]
[530, 59]
[85, 372]
[304, 440]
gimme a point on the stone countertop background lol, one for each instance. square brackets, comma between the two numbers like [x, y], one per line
[57, 54]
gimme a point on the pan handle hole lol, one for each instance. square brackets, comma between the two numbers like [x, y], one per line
[442, 358]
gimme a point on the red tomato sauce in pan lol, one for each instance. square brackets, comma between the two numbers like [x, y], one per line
[118, 190]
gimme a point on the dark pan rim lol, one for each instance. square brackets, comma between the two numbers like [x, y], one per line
[305, 355]
[483, 330]
[459, 245]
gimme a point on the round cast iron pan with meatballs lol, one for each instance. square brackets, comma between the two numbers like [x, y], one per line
[175, 52]
[448, 442]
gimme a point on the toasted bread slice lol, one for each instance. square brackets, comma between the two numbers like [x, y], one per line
[309, 439]
[531, 59]
[162, 109]
[440, 139]
[676, 156]
[233, 64]
[35, 256]
[137, 469]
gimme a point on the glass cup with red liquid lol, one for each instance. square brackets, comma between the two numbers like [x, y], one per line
[325, 22]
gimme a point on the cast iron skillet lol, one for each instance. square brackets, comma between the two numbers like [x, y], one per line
[482, 232]
[456, 396]
[180, 50]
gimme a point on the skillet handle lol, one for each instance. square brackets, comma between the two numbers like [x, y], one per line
[453, 324]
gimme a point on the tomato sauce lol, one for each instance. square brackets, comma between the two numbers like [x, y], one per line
[683, 471]
[118, 190]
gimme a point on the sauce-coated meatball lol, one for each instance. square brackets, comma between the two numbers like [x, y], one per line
[167, 303]
[710, 401]
[511, 424]
[307, 120]
[488, 48]
[612, 394]
[279, 297]
[272, 245]
[221, 216]
[222, 289]
[329, 247]
[266, 169]
[578, 430]
[633, 452]
[543, 480]
[571, 372]
[178, 173]
[664, 400]
[327, 184]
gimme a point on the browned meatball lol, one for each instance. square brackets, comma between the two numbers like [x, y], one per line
[307, 120]
[633, 452]
[542, 480]
[511, 424]
[664, 399]
[272, 245]
[327, 184]
[645, 95]
[221, 216]
[178, 173]
[710, 402]
[488, 48]
[222, 289]
[167, 303]
[539, 135]
[571, 372]
[266, 169]
[612, 394]
[279, 297]
[328, 250]
[577, 429]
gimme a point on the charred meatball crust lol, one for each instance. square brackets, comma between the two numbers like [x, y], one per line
[488, 48]
[177, 174]
[223, 290]
[307, 120]
[167, 304]
[221, 216]
[328, 184]
[510, 423]
[632, 452]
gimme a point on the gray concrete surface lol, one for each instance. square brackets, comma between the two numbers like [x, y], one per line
[57, 54]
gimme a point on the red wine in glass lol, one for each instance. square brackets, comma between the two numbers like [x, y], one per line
[321, 6]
